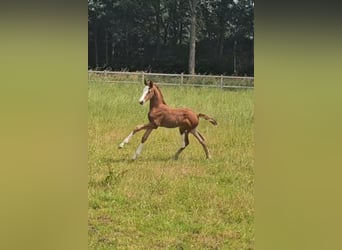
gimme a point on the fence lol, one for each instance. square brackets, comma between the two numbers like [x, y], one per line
[173, 79]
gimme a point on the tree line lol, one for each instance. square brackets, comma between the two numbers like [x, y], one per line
[172, 36]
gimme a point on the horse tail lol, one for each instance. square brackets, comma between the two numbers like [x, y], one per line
[208, 118]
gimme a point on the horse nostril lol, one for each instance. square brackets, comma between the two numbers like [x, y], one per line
[141, 102]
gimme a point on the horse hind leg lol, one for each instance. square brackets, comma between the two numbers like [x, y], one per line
[201, 140]
[185, 143]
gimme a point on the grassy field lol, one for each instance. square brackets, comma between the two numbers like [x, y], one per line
[156, 202]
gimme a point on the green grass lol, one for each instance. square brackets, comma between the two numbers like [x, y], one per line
[156, 202]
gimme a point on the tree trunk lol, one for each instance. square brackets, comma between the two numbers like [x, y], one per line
[220, 44]
[158, 17]
[234, 54]
[180, 34]
[166, 28]
[126, 45]
[113, 53]
[96, 49]
[192, 43]
[106, 49]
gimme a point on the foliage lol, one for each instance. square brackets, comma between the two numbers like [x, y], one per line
[156, 202]
[153, 35]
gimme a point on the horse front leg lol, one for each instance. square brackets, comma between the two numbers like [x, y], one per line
[143, 139]
[135, 130]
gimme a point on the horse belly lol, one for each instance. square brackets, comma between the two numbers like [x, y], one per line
[179, 121]
[170, 122]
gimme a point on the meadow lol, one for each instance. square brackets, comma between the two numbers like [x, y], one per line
[157, 202]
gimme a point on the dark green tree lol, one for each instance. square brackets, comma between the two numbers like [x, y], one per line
[213, 36]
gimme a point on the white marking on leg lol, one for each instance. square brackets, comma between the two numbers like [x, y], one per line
[183, 140]
[138, 151]
[126, 140]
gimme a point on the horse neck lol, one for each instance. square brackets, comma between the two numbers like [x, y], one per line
[157, 99]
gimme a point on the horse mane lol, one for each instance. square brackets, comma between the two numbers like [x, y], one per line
[161, 94]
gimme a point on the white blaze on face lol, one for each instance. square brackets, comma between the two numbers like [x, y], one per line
[145, 91]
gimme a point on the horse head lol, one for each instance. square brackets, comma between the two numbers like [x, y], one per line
[148, 92]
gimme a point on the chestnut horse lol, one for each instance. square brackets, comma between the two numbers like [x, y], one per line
[161, 115]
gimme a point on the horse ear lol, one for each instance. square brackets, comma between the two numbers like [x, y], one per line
[148, 83]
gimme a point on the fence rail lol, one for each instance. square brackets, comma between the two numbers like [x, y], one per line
[218, 81]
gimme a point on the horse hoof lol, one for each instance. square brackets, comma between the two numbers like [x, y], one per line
[121, 145]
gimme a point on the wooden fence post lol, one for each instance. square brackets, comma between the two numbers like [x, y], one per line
[221, 82]
[143, 78]
[182, 78]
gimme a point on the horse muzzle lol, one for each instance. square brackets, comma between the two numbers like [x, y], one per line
[141, 102]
